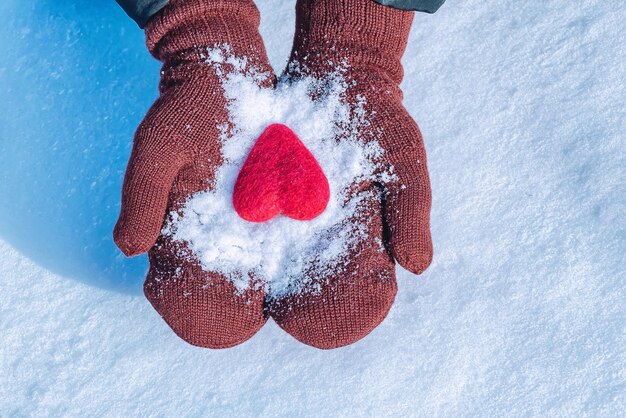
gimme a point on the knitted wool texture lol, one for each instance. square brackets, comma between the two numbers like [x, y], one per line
[280, 176]
[175, 153]
[353, 300]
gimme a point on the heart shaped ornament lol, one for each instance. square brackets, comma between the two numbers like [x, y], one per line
[280, 176]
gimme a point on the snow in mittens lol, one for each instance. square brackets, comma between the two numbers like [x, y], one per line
[279, 251]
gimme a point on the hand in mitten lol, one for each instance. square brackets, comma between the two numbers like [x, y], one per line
[176, 152]
[354, 298]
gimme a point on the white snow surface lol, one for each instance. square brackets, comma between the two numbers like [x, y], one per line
[522, 313]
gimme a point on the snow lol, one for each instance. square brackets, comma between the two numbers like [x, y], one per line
[521, 313]
[278, 252]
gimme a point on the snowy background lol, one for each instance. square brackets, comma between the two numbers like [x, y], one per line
[523, 311]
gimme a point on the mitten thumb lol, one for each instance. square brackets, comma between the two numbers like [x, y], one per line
[147, 183]
[407, 214]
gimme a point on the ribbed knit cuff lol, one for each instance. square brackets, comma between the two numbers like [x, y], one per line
[363, 34]
[187, 25]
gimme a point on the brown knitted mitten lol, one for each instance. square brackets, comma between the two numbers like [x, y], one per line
[370, 39]
[175, 153]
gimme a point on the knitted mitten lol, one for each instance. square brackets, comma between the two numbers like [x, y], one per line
[353, 300]
[175, 153]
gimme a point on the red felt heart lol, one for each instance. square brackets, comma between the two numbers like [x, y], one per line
[280, 176]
